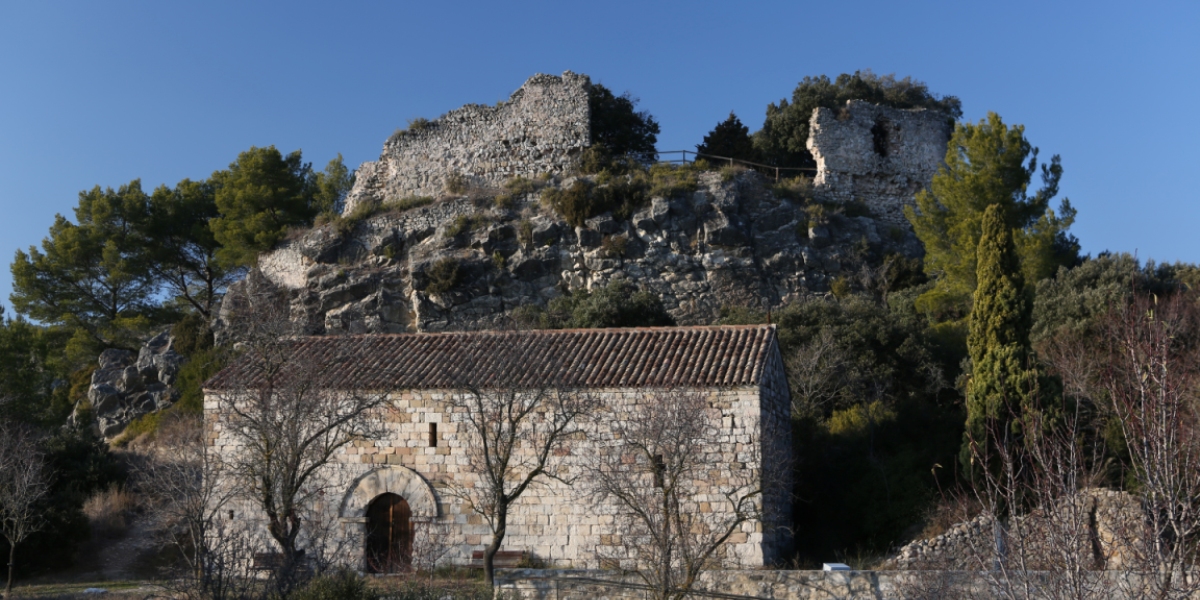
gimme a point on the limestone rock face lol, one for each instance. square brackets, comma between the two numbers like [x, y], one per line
[730, 243]
[124, 387]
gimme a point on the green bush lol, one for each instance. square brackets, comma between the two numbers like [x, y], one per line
[796, 189]
[730, 172]
[464, 224]
[620, 304]
[443, 276]
[667, 180]
[340, 585]
[514, 189]
[622, 195]
[525, 232]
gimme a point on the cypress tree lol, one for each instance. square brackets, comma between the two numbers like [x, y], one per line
[1002, 380]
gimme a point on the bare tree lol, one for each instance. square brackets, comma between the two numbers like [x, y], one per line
[515, 423]
[188, 504]
[1152, 376]
[681, 486]
[432, 541]
[280, 410]
[1036, 494]
[817, 373]
[24, 481]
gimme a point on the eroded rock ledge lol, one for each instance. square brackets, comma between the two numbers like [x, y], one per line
[732, 242]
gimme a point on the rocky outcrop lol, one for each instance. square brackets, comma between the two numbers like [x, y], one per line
[125, 387]
[730, 243]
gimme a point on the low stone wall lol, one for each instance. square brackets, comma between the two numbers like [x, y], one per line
[531, 584]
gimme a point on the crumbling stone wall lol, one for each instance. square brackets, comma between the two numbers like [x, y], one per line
[540, 129]
[556, 522]
[878, 155]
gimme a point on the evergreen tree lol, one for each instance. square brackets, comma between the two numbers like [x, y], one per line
[332, 185]
[181, 245]
[93, 275]
[1003, 380]
[730, 139]
[618, 128]
[988, 164]
[260, 196]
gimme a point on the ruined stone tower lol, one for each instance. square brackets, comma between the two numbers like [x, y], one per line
[878, 155]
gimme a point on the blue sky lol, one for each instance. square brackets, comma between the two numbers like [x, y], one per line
[102, 93]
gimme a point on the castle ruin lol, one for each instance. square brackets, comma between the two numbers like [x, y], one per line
[542, 127]
[877, 155]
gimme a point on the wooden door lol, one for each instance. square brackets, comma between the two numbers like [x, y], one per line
[389, 535]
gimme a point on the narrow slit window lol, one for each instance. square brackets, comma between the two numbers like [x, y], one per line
[659, 467]
[433, 435]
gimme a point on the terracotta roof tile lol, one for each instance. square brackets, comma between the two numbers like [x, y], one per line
[634, 357]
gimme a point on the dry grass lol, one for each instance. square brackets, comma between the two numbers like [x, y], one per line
[108, 511]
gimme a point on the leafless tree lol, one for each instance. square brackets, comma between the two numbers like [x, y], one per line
[1152, 377]
[1036, 494]
[514, 422]
[24, 481]
[188, 503]
[432, 541]
[279, 410]
[816, 373]
[679, 498]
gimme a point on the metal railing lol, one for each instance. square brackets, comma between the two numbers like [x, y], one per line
[732, 161]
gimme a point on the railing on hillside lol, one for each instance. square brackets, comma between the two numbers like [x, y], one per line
[732, 161]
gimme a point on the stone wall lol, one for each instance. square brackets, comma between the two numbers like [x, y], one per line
[879, 155]
[532, 584]
[540, 129]
[556, 522]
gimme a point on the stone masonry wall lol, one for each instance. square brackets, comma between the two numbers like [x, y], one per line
[540, 129]
[556, 522]
[876, 154]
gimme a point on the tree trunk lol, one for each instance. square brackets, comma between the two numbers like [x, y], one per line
[12, 561]
[489, 553]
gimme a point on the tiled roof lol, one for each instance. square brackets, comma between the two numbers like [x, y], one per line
[574, 358]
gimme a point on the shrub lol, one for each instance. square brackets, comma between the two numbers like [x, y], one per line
[621, 195]
[797, 189]
[525, 232]
[856, 208]
[619, 304]
[106, 511]
[498, 260]
[339, 585]
[730, 172]
[840, 286]
[457, 184]
[464, 224]
[667, 180]
[614, 246]
[818, 214]
[443, 276]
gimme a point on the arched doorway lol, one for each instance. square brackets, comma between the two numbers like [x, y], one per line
[389, 534]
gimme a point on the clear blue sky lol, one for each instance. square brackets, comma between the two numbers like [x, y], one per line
[99, 93]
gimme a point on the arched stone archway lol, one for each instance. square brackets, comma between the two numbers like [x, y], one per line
[390, 479]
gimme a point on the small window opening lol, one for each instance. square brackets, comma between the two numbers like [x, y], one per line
[433, 435]
[879, 135]
[231, 515]
[659, 467]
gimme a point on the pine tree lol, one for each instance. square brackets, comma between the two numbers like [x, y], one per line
[988, 163]
[1003, 380]
[730, 139]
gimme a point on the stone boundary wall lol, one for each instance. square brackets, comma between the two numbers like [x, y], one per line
[546, 584]
[542, 128]
[878, 155]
